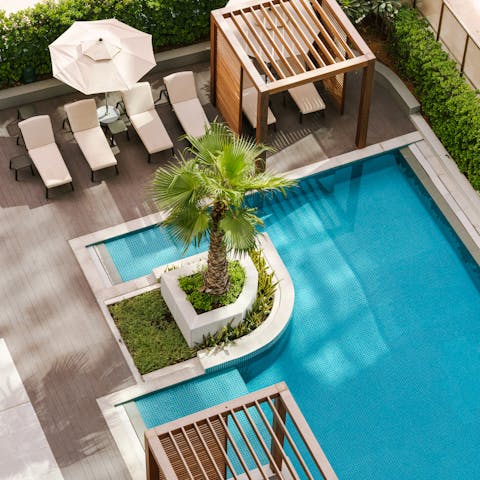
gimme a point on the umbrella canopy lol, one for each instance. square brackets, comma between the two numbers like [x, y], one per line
[101, 56]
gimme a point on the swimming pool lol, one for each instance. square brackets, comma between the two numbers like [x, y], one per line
[383, 349]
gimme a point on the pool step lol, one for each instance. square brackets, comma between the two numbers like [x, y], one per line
[190, 397]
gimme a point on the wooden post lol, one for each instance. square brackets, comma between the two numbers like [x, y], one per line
[364, 108]
[153, 471]
[279, 433]
[213, 60]
[262, 127]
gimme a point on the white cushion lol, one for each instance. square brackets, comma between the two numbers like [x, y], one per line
[50, 165]
[192, 117]
[180, 87]
[37, 131]
[82, 115]
[95, 148]
[151, 131]
[307, 98]
[249, 107]
[138, 99]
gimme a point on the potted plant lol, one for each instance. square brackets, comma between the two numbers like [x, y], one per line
[204, 195]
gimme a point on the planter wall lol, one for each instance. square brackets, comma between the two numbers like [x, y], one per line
[193, 326]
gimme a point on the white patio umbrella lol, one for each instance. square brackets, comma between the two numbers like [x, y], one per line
[101, 56]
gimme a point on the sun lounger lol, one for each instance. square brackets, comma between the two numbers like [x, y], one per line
[306, 96]
[141, 111]
[38, 135]
[82, 116]
[183, 97]
[249, 107]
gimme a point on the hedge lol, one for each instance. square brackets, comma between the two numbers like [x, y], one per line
[451, 106]
[25, 35]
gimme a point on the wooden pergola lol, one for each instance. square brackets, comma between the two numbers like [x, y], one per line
[275, 45]
[262, 435]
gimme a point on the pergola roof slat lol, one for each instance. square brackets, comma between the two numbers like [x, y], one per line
[299, 31]
[323, 31]
[294, 40]
[262, 44]
[252, 49]
[339, 37]
[316, 37]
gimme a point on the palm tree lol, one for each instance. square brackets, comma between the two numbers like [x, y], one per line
[205, 195]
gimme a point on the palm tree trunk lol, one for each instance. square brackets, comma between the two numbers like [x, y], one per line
[216, 280]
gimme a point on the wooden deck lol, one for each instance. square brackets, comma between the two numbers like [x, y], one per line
[59, 341]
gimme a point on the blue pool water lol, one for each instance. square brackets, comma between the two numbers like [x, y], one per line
[383, 350]
[136, 255]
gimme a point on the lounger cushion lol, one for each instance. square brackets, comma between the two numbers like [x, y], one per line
[40, 142]
[82, 115]
[151, 131]
[192, 117]
[37, 131]
[307, 98]
[50, 165]
[138, 99]
[180, 87]
[95, 148]
[249, 107]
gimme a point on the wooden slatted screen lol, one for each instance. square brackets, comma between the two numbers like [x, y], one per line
[255, 436]
[228, 81]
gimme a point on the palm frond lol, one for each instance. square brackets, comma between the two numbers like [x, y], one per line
[240, 227]
[187, 225]
[176, 186]
[265, 182]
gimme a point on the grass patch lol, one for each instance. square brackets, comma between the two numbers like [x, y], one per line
[205, 302]
[150, 332]
[153, 338]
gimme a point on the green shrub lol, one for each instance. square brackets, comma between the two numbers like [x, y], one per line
[450, 104]
[25, 35]
[359, 10]
[204, 302]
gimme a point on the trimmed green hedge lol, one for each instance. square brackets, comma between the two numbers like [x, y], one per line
[450, 104]
[25, 35]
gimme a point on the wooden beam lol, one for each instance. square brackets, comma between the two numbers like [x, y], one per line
[364, 108]
[213, 60]
[316, 75]
[303, 428]
[262, 127]
[278, 432]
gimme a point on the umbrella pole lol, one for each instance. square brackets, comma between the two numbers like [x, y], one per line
[106, 102]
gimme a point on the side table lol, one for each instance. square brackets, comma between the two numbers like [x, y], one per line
[19, 162]
[116, 127]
